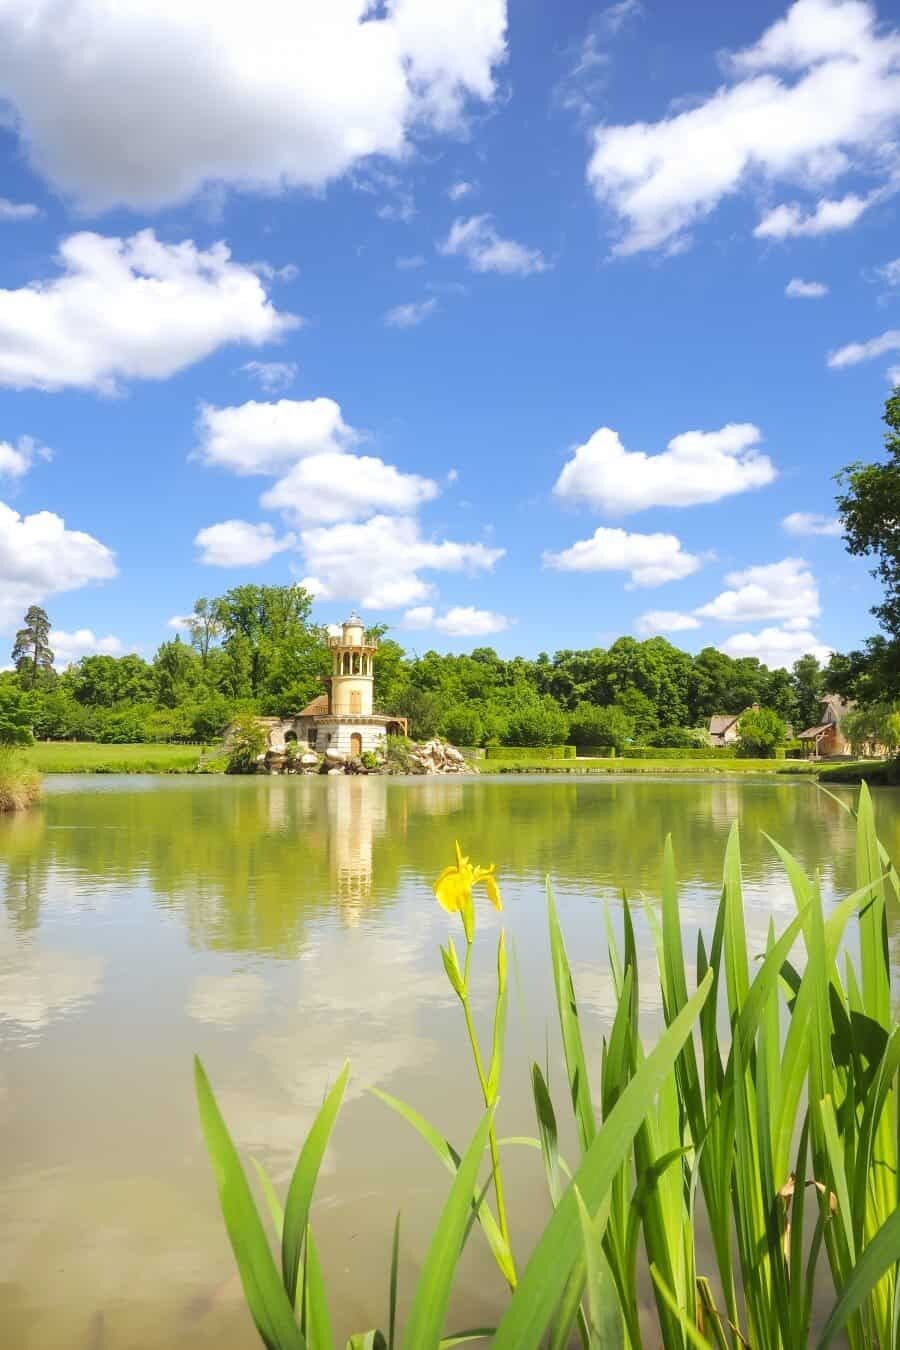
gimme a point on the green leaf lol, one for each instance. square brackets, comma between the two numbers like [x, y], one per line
[606, 1330]
[432, 1292]
[450, 1158]
[392, 1302]
[576, 1065]
[367, 1340]
[269, 1305]
[877, 1258]
[299, 1196]
[451, 965]
[548, 1133]
[544, 1278]
[318, 1323]
[693, 1335]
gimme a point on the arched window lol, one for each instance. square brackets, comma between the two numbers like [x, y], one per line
[355, 701]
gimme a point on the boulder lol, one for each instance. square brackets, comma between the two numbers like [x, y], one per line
[334, 756]
[310, 760]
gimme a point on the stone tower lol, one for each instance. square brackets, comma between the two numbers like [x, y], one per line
[352, 673]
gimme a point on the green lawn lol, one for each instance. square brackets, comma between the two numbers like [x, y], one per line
[89, 757]
[649, 766]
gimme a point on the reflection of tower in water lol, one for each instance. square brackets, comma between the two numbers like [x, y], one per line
[356, 816]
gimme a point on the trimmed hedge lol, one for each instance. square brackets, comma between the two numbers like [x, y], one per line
[530, 752]
[597, 752]
[673, 752]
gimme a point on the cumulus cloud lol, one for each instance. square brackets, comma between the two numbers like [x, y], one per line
[890, 272]
[459, 621]
[478, 241]
[816, 97]
[784, 590]
[69, 647]
[777, 647]
[303, 92]
[854, 352]
[272, 376]
[238, 543]
[377, 563]
[16, 460]
[665, 621]
[810, 522]
[697, 467]
[651, 559]
[132, 308]
[265, 438]
[16, 211]
[411, 315]
[805, 290]
[456, 191]
[335, 487]
[792, 220]
[40, 557]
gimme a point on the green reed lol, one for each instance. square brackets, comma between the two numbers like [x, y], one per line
[779, 1136]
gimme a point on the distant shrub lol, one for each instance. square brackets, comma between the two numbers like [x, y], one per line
[246, 742]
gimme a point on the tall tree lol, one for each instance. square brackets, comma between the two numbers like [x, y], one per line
[870, 511]
[31, 652]
[205, 625]
[808, 684]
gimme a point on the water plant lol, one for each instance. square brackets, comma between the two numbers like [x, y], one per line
[767, 1112]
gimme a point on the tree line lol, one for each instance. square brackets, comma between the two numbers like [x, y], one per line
[256, 649]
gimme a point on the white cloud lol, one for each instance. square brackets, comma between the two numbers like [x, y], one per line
[335, 487]
[289, 272]
[269, 437]
[777, 647]
[39, 557]
[410, 261]
[377, 563]
[411, 315]
[16, 211]
[816, 97]
[854, 352]
[180, 622]
[805, 290]
[238, 543]
[303, 92]
[697, 467]
[16, 460]
[402, 210]
[890, 272]
[665, 621]
[650, 558]
[460, 621]
[477, 240]
[456, 191]
[272, 376]
[809, 522]
[792, 220]
[129, 309]
[893, 375]
[784, 590]
[70, 647]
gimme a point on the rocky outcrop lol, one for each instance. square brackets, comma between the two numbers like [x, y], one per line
[438, 757]
[433, 757]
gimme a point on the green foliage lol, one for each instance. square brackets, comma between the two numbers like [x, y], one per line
[540, 722]
[873, 728]
[680, 752]
[246, 741]
[20, 784]
[591, 725]
[521, 753]
[15, 717]
[762, 731]
[679, 738]
[870, 510]
[768, 1105]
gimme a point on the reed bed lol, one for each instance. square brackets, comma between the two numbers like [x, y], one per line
[782, 1131]
[20, 783]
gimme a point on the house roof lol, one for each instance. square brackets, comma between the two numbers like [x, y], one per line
[813, 733]
[720, 722]
[318, 706]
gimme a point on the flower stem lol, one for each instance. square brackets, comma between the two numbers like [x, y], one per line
[492, 1135]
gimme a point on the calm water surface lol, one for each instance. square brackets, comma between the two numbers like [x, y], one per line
[276, 927]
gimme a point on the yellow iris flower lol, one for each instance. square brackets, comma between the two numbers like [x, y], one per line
[453, 889]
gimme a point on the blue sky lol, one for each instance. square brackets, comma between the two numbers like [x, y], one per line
[525, 325]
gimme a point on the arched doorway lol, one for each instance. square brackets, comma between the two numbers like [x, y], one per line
[355, 745]
[290, 736]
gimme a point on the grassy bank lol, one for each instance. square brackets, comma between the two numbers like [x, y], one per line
[20, 784]
[649, 766]
[89, 757]
[878, 773]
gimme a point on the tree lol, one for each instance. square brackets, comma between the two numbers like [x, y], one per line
[15, 717]
[205, 625]
[872, 726]
[761, 731]
[541, 722]
[31, 652]
[870, 511]
[176, 669]
[593, 726]
[246, 742]
[808, 689]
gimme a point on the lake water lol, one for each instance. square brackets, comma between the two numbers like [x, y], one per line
[275, 927]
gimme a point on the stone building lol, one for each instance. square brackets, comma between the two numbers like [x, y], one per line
[342, 718]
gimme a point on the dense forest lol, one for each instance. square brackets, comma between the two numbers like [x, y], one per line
[255, 648]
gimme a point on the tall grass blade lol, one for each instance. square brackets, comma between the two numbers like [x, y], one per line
[269, 1305]
[299, 1196]
[392, 1297]
[880, 1255]
[432, 1292]
[318, 1322]
[576, 1065]
[606, 1330]
[542, 1282]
